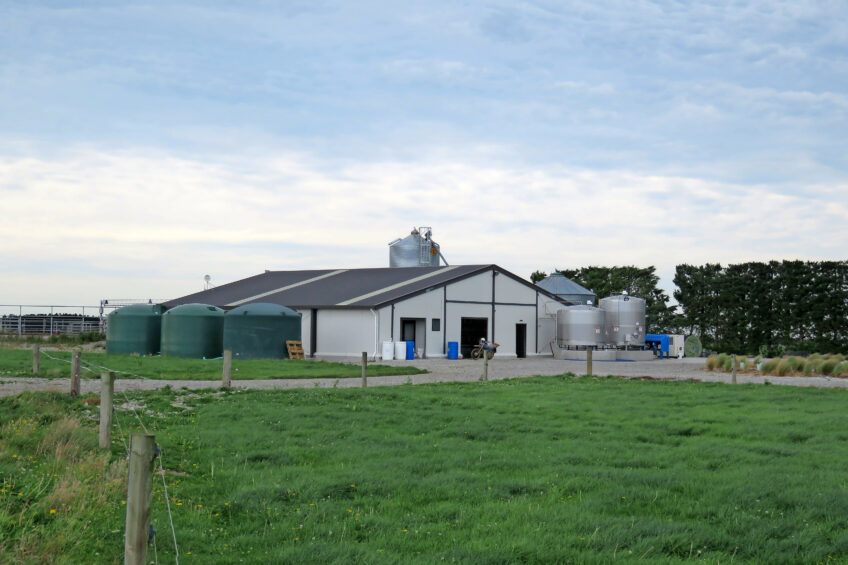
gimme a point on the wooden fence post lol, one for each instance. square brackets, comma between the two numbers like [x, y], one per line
[139, 492]
[485, 376]
[107, 388]
[36, 359]
[75, 373]
[364, 369]
[733, 368]
[589, 361]
[228, 366]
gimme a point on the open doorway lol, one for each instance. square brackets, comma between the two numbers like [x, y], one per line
[521, 340]
[471, 330]
[415, 330]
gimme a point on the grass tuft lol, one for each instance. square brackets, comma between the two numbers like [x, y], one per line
[712, 362]
[770, 366]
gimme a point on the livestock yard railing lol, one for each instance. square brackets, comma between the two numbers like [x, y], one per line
[28, 319]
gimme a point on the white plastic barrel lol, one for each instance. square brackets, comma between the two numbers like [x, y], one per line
[400, 350]
[388, 350]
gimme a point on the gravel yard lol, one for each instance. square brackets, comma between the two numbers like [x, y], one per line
[442, 370]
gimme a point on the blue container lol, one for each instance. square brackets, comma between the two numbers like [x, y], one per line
[453, 350]
[410, 350]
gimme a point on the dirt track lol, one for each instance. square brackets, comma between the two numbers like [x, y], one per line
[442, 370]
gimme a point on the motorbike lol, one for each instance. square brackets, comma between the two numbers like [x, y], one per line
[489, 348]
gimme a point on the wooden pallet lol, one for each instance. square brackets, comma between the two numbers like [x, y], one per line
[295, 349]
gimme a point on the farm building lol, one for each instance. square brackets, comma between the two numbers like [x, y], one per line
[348, 311]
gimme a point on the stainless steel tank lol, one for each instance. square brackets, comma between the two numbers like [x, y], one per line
[415, 250]
[580, 326]
[625, 320]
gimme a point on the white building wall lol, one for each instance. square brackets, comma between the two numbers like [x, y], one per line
[345, 333]
[423, 308]
[306, 330]
[547, 322]
[477, 288]
[506, 317]
[457, 311]
[508, 289]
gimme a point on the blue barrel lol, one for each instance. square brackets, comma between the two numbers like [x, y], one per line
[410, 350]
[453, 350]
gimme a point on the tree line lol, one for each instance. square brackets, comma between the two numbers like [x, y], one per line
[742, 308]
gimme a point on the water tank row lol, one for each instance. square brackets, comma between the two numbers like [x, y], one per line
[252, 331]
[619, 321]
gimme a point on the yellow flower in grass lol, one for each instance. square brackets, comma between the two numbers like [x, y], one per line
[52, 510]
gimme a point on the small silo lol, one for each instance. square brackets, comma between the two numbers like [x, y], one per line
[135, 329]
[580, 326]
[415, 250]
[260, 330]
[193, 330]
[625, 320]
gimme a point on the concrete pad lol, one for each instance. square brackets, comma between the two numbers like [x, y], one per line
[635, 355]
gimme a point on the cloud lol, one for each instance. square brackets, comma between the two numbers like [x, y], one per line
[142, 224]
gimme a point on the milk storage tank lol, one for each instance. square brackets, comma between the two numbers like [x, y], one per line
[625, 320]
[580, 326]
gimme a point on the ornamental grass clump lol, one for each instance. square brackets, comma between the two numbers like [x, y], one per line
[723, 360]
[841, 369]
[783, 368]
[769, 366]
[796, 364]
[712, 362]
[827, 367]
[809, 368]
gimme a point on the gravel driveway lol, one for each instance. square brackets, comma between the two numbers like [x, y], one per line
[442, 370]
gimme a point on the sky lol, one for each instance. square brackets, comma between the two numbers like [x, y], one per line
[145, 145]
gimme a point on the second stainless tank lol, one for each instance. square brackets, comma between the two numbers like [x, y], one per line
[580, 326]
[625, 320]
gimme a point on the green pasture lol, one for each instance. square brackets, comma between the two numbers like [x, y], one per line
[54, 364]
[541, 470]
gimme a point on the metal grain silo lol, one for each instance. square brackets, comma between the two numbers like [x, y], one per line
[193, 330]
[625, 320]
[260, 330]
[134, 329]
[415, 250]
[580, 326]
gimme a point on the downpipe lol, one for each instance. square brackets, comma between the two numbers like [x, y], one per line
[376, 334]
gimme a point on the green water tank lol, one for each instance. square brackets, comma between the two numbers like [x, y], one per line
[260, 330]
[134, 329]
[193, 330]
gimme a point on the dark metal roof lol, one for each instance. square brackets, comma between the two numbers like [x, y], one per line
[341, 288]
[558, 283]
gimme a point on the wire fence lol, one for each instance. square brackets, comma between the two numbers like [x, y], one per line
[130, 405]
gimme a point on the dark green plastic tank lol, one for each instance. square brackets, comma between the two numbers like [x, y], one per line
[135, 329]
[193, 330]
[260, 330]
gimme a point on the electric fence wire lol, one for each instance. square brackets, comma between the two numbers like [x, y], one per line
[168, 506]
[121, 431]
[164, 482]
[55, 358]
[161, 466]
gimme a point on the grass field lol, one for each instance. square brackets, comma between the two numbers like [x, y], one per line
[18, 363]
[542, 470]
